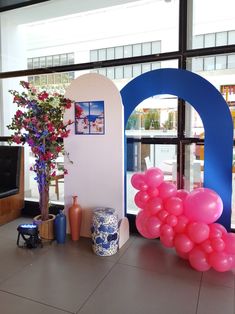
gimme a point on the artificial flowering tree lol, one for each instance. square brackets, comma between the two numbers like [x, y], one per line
[39, 123]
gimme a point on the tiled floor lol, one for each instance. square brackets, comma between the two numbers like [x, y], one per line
[143, 278]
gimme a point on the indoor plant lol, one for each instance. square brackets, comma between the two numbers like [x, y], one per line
[39, 123]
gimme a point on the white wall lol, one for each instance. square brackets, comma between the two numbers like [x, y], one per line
[97, 172]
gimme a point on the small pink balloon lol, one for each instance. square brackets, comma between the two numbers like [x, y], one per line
[216, 230]
[198, 260]
[138, 180]
[167, 240]
[174, 205]
[171, 220]
[154, 177]
[141, 224]
[152, 192]
[220, 261]
[182, 194]
[154, 205]
[162, 215]
[181, 224]
[141, 199]
[183, 243]
[153, 225]
[206, 246]
[166, 230]
[229, 240]
[198, 231]
[217, 244]
[166, 190]
[203, 205]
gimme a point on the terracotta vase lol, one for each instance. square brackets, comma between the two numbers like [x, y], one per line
[75, 219]
[46, 228]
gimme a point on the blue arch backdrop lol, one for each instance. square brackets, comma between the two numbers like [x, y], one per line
[215, 115]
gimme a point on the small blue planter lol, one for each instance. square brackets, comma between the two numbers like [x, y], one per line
[60, 228]
[104, 231]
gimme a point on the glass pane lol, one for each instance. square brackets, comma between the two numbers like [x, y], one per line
[142, 156]
[42, 62]
[56, 60]
[118, 52]
[30, 63]
[127, 71]
[222, 77]
[209, 63]
[137, 51]
[35, 63]
[127, 51]
[209, 40]
[136, 70]
[63, 59]
[194, 166]
[221, 39]
[101, 54]
[211, 19]
[156, 47]
[146, 67]
[146, 49]
[110, 53]
[221, 62]
[110, 73]
[156, 65]
[118, 72]
[197, 64]
[49, 61]
[70, 58]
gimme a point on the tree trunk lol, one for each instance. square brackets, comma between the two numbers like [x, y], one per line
[44, 202]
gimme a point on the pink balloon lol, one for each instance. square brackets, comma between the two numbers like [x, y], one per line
[174, 205]
[203, 205]
[141, 199]
[154, 205]
[182, 243]
[217, 244]
[154, 177]
[138, 180]
[206, 246]
[152, 192]
[162, 215]
[167, 189]
[229, 240]
[171, 220]
[198, 231]
[181, 224]
[153, 225]
[182, 194]
[167, 240]
[141, 224]
[166, 230]
[198, 260]
[216, 230]
[220, 261]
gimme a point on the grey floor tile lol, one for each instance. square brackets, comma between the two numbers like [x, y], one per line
[151, 255]
[11, 304]
[13, 259]
[219, 278]
[216, 299]
[136, 291]
[59, 279]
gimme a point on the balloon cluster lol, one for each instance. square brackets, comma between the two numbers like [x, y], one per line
[184, 220]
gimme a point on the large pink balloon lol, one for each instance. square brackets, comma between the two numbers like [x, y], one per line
[220, 261]
[153, 225]
[182, 243]
[198, 260]
[167, 189]
[198, 231]
[141, 198]
[217, 230]
[154, 205]
[141, 224]
[138, 180]
[174, 205]
[203, 205]
[154, 177]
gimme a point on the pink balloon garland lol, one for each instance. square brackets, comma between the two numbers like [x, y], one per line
[184, 220]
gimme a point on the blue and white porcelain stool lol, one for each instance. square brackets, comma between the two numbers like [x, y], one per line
[104, 231]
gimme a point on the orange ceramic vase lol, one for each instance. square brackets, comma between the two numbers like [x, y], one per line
[75, 219]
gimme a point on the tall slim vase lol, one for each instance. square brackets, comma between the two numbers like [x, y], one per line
[75, 219]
